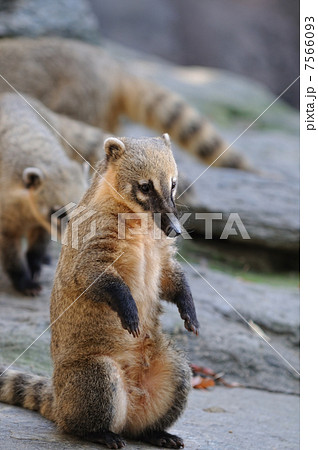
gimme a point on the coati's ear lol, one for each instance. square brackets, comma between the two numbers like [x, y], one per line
[166, 138]
[32, 177]
[114, 148]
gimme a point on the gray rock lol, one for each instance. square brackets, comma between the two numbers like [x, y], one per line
[236, 35]
[267, 202]
[249, 419]
[227, 343]
[69, 18]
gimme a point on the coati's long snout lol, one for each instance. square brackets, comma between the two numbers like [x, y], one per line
[168, 222]
[170, 225]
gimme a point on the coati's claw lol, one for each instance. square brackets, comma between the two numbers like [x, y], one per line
[30, 288]
[134, 333]
[133, 329]
[32, 292]
[130, 322]
[191, 325]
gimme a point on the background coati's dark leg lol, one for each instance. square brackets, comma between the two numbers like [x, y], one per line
[37, 252]
[15, 265]
[92, 403]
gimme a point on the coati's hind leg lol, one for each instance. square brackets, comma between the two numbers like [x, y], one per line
[15, 265]
[168, 382]
[91, 400]
[37, 254]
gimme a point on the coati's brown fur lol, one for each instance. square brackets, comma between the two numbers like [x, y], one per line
[116, 374]
[36, 178]
[86, 83]
[82, 142]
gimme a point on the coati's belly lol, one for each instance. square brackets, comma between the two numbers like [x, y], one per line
[148, 370]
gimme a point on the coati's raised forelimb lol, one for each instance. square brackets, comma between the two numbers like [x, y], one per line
[175, 289]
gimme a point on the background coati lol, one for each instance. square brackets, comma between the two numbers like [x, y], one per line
[36, 178]
[86, 83]
[82, 142]
[115, 373]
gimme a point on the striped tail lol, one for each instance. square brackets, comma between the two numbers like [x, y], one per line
[165, 111]
[26, 390]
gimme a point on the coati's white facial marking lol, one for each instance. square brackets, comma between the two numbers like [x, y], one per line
[173, 186]
[156, 185]
[142, 197]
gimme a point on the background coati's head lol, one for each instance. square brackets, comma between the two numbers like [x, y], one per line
[53, 187]
[143, 171]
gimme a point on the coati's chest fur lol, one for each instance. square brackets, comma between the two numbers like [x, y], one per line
[140, 261]
[140, 268]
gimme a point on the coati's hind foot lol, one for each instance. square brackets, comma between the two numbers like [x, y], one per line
[28, 287]
[163, 439]
[107, 438]
[47, 259]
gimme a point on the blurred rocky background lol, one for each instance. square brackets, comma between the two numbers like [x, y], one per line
[256, 38]
[246, 53]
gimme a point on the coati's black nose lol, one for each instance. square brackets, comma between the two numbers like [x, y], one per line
[173, 230]
[170, 224]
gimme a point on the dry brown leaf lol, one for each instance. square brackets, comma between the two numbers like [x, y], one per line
[202, 383]
[208, 378]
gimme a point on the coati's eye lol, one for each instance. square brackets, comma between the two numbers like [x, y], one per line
[173, 184]
[145, 188]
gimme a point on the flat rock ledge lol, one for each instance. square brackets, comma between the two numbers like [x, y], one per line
[220, 418]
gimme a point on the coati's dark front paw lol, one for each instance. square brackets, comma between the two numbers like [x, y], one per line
[131, 324]
[191, 322]
[28, 287]
[163, 439]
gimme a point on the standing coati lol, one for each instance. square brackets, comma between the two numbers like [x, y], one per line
[36, 178]
[115, 373]
[86, 83]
